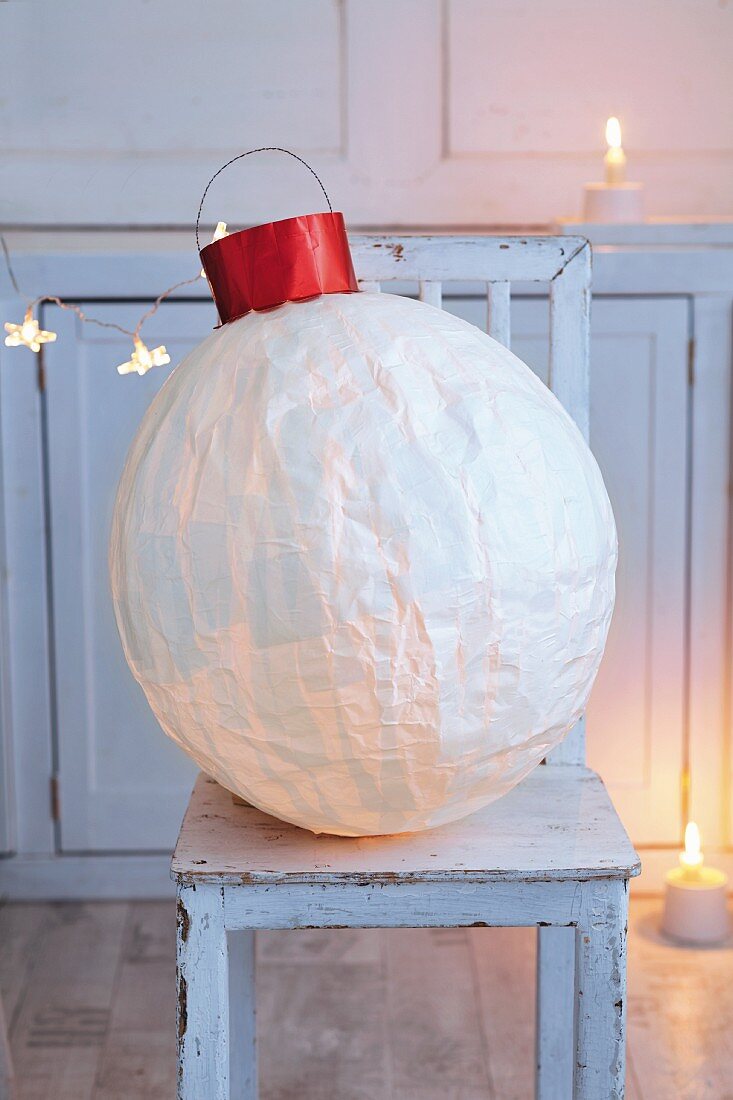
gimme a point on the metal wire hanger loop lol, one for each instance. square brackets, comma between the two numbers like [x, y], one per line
[249, 152]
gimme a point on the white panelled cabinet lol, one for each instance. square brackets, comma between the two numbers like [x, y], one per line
[93, 792]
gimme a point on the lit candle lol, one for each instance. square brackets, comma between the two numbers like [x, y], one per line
[613, 201]
[695, 901]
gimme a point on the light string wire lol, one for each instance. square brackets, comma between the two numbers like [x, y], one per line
[31, 303]
[29, 334]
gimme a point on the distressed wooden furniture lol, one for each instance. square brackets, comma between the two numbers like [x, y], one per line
[551, 854]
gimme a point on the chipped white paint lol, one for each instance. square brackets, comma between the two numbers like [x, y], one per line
[569, 380]
[552, 853]
[600, 991]
[215, 1001]
[202, 1010]
[558, 824]
[570, 334]
[450, 259]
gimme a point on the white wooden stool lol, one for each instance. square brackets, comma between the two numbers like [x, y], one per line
[552, 854]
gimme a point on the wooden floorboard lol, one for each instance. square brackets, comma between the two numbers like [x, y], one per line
[60, 1028]
[680, 1014]
[503, 962]
[139, 1058]
[343, 1014]
[320, 1023]
[435, 1040]
[22, 930]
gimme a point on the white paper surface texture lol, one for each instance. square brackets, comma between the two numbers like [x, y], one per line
[362, 564]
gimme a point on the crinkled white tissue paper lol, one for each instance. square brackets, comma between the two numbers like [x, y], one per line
[362, 564]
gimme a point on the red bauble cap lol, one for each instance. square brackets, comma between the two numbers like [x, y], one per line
[284, 261]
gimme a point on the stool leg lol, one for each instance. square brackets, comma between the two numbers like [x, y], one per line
[555, 1021]
[203, 995]
[600, 989]
[242, 1030]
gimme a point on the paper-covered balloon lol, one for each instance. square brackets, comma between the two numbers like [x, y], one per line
[362, 560]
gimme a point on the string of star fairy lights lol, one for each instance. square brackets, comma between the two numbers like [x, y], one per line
[29, 334]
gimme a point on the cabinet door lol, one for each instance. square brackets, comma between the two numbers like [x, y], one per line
[122, 784]
[639, 435]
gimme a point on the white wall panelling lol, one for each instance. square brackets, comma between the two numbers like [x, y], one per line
[417, 112]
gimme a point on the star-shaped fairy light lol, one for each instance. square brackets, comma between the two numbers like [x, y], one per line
[28, 333]
[143, 358]
[219, 232]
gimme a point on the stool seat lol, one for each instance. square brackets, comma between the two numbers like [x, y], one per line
[558, 823]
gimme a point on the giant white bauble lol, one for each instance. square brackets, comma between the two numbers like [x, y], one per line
[362, 564]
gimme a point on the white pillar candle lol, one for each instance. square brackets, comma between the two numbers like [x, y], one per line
[695, 900]
[614, 200]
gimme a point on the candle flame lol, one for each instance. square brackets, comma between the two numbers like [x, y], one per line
[613, 133]
[692, 842]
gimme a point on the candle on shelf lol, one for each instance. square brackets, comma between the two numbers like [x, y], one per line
[614, 200]
[695, 900]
